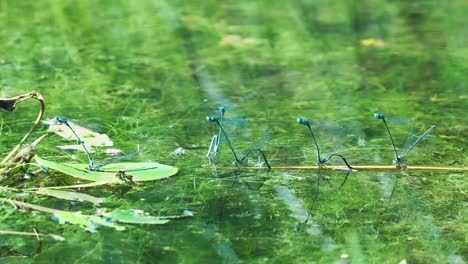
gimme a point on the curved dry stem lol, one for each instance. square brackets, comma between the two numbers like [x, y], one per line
[9, 104]
[30, 206]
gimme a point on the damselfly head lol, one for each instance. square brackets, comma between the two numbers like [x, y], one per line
[60, 120]
[222, 108]
[211, 119]
[303, 121]
[379, 116]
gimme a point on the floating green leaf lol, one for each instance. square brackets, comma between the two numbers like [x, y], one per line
[72, 196]
[75, 218]
[100, 220]
[140, 171]
[75, 172]
[135, 217]
[88, 222]
[92, 222]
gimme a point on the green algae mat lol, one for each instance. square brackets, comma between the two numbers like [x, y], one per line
[158, 183]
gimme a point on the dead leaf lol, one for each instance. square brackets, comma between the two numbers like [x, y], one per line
[373, 42]
[90, 138]
[238, 41]
[113, 152]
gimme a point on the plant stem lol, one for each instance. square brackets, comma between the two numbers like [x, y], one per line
[19, 99]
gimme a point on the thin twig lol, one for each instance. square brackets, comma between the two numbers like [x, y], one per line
[344, 168]
[18, 233]
[30, 206]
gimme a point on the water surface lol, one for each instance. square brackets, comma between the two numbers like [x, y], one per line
[148, 73]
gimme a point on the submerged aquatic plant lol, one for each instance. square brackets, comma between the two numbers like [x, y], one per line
[114, 172]
[105, 173]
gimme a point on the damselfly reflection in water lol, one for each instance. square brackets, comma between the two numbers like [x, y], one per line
[412, 142]
[217, 140]
[321, 177]
[92, 166]
[321, 162]
[387, 184]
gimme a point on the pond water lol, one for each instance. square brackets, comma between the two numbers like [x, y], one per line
[147, 73]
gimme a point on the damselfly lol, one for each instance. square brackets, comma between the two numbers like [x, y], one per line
[217, 139]
[92, 166]
[320, 161]
[215, 143]
[222, 135]
[398, 158]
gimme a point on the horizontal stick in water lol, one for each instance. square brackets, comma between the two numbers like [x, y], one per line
[355, 167]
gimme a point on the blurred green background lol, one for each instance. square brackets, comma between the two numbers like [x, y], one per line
[147, 72]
